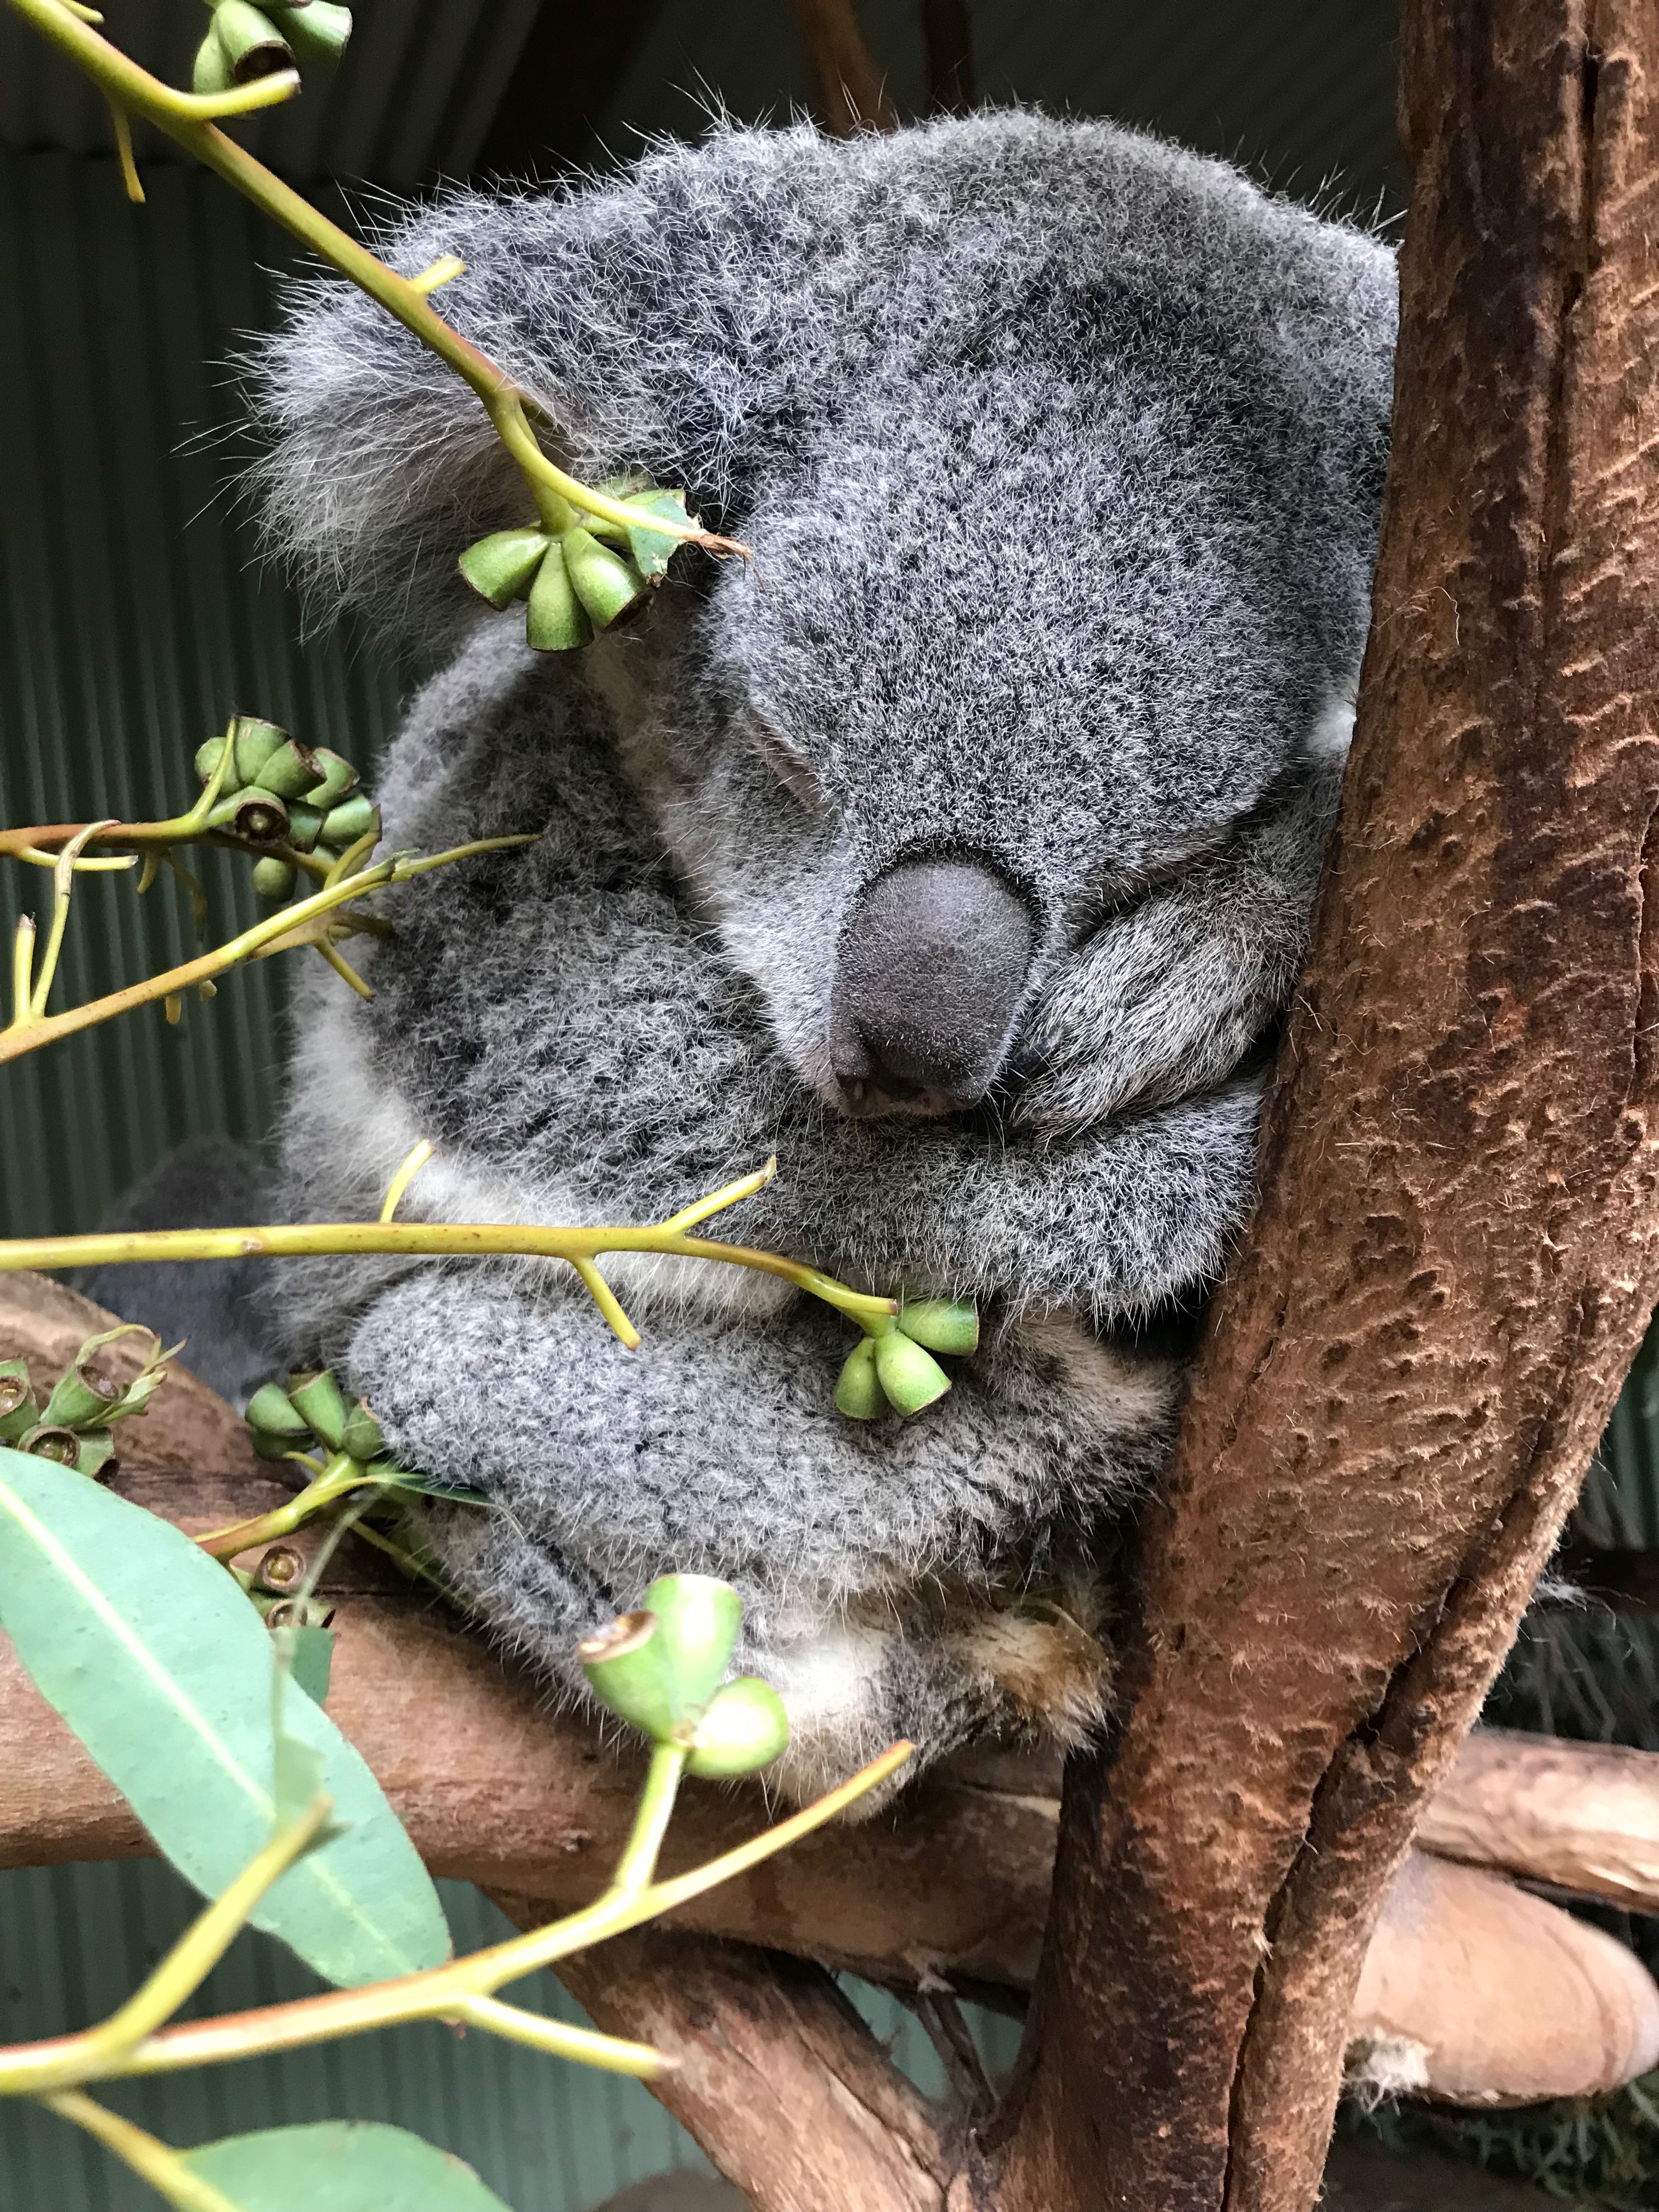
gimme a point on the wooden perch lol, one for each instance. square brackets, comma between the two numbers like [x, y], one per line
[851, 89]
[497, 1789]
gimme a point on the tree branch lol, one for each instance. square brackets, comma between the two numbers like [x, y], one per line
[851, 91]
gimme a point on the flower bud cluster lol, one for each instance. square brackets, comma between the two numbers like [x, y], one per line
[662, 1669]
[312, 1409]
[245, 42]
[73, 1426]
[276, 792]
[896, 1367]
[583, 579]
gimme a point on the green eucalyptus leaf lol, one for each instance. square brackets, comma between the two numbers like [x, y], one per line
[340, 2166]
[153, 1656]
[651, 550]
[388, 1477]
[312, 1658]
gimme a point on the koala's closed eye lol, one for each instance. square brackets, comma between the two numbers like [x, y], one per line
[787, 761]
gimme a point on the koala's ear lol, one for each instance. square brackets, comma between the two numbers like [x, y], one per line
[616, 308]
[1339, 316]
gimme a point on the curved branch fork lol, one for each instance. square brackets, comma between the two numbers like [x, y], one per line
[952, 1886]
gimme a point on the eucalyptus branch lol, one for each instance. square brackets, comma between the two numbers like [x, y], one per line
[444, 1239]
[293, 925]
[447, 1992]
[187, 119]
[153, 2161]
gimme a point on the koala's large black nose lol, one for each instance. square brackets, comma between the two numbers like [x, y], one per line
[932, 965]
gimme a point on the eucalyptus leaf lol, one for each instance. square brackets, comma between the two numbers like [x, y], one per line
[340, 2166]
[155, 1658]
[313, 1657]
[652, 550]
[388, 1477]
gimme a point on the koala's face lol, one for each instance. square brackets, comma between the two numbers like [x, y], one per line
[1013, 655]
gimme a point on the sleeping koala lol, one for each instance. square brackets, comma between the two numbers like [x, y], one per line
[960, 852]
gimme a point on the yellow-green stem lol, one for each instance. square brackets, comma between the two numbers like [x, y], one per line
[100, 2050]
[153, 2161]
[611, 2053]
[656, 1808]
[436, 1995]
[423, 1240]
[342, 1475]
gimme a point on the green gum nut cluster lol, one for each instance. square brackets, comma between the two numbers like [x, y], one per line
[895, 1366]
[662, 1669]
[582, 577]
[278, 792]
[245, 42]
[312, 1409]
[73, 1426]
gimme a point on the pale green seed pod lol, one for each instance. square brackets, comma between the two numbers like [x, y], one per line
[305, 824]
[318, 31]
[292, 771]
[258, 816]
[745, 1728]
[911, 1377]
[319, 1401]
[96, 1457]
[250, 43]
[698, 1620]
[83, 1398]
[271, 1412]
[339, 780]
[57, 1444]
[18, 1410]
[212, 71]
[857, 1392]
[624, 1664]
[555, 621]
[609, 586]
[274, 879]
[949, 1325]
[207, 759]
[352, 818]
[503, 567]
[362, 1437]
[255, 741]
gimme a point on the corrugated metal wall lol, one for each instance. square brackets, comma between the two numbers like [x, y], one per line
[133, 619]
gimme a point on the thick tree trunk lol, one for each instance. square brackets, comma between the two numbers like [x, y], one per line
[1456, 1240]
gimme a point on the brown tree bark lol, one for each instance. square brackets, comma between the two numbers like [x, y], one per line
[851, 87]
[1456, 1240]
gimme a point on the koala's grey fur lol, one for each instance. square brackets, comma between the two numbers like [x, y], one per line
[1060, 453]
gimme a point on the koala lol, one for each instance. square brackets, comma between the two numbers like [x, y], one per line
[958, 852]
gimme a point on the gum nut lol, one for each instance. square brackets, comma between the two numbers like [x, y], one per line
[271, 1413]
[363, 1439]
[305, 824]
[255, 741]
[60, 1444]
[942, 1324]
[96, 1457]
[911, 1377]
[555, 622]
[698, 1620]
[503, 567]
[18, 1410]
[339, 780]
[352, 818]
[318, 31]
[212, 71]
[252, 43]
[273, 879]
[745, 1726]
[857, 1392]
[292, 771]
[607, 586]
[625, 1668]
[260, 816]
[207, 759]
[81, 1398]
[318, 1401]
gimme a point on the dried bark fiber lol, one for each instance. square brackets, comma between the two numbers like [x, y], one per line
[1456, 1240]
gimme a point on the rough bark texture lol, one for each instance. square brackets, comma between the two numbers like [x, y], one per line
[778, 2078]
[1456, 1240]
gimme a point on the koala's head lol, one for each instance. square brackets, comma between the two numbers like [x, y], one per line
[1059, 453]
